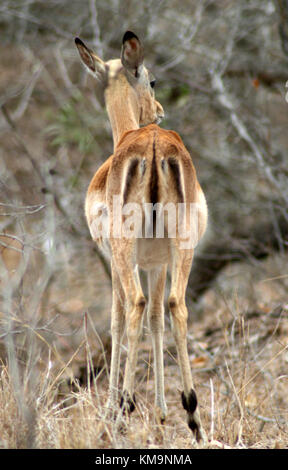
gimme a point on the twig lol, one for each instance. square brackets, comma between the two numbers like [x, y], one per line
[25, 209]
[50, 189]
[212, 411]
[25, 91]
[33, 19]
[65, 366]
[22, 242]
[262, 418]
[239, 436]
[96, 30]
[100, 342]
[63, 70]
[19, 139]
[262, 368]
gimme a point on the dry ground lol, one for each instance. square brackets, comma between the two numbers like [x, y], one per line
[239, 360]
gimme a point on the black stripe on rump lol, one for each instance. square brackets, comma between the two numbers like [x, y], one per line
[154, 178]
[175, 170]
[129, 178]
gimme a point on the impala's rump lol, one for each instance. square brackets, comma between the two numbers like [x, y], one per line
[151, 193]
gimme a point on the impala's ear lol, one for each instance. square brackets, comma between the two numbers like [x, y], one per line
[132, 52]
[90, 60]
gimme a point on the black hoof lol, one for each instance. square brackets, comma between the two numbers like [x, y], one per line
[190, 404]
[127, 404]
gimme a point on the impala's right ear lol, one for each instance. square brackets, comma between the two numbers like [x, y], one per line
[132, 52]
[91, 60]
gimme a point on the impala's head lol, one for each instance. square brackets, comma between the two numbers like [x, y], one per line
[125, 82]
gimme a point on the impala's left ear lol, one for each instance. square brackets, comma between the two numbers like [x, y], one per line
[132, 53]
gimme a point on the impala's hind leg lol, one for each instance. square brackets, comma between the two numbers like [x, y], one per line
[135, 307]
[117, 330]
[156, 285]
[181, 265]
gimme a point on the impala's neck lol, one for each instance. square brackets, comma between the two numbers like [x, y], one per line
[122, 108]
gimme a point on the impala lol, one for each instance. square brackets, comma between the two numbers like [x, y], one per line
[150, 166]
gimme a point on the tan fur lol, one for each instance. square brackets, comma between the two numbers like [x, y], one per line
[130, 102]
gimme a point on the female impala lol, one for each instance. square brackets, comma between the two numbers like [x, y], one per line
[150, 166]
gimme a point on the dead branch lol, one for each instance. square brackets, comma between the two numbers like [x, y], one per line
[48, 188]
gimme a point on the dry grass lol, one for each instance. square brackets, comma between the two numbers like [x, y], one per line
[239, 363]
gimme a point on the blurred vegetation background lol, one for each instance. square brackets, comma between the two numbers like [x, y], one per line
[221, 68]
